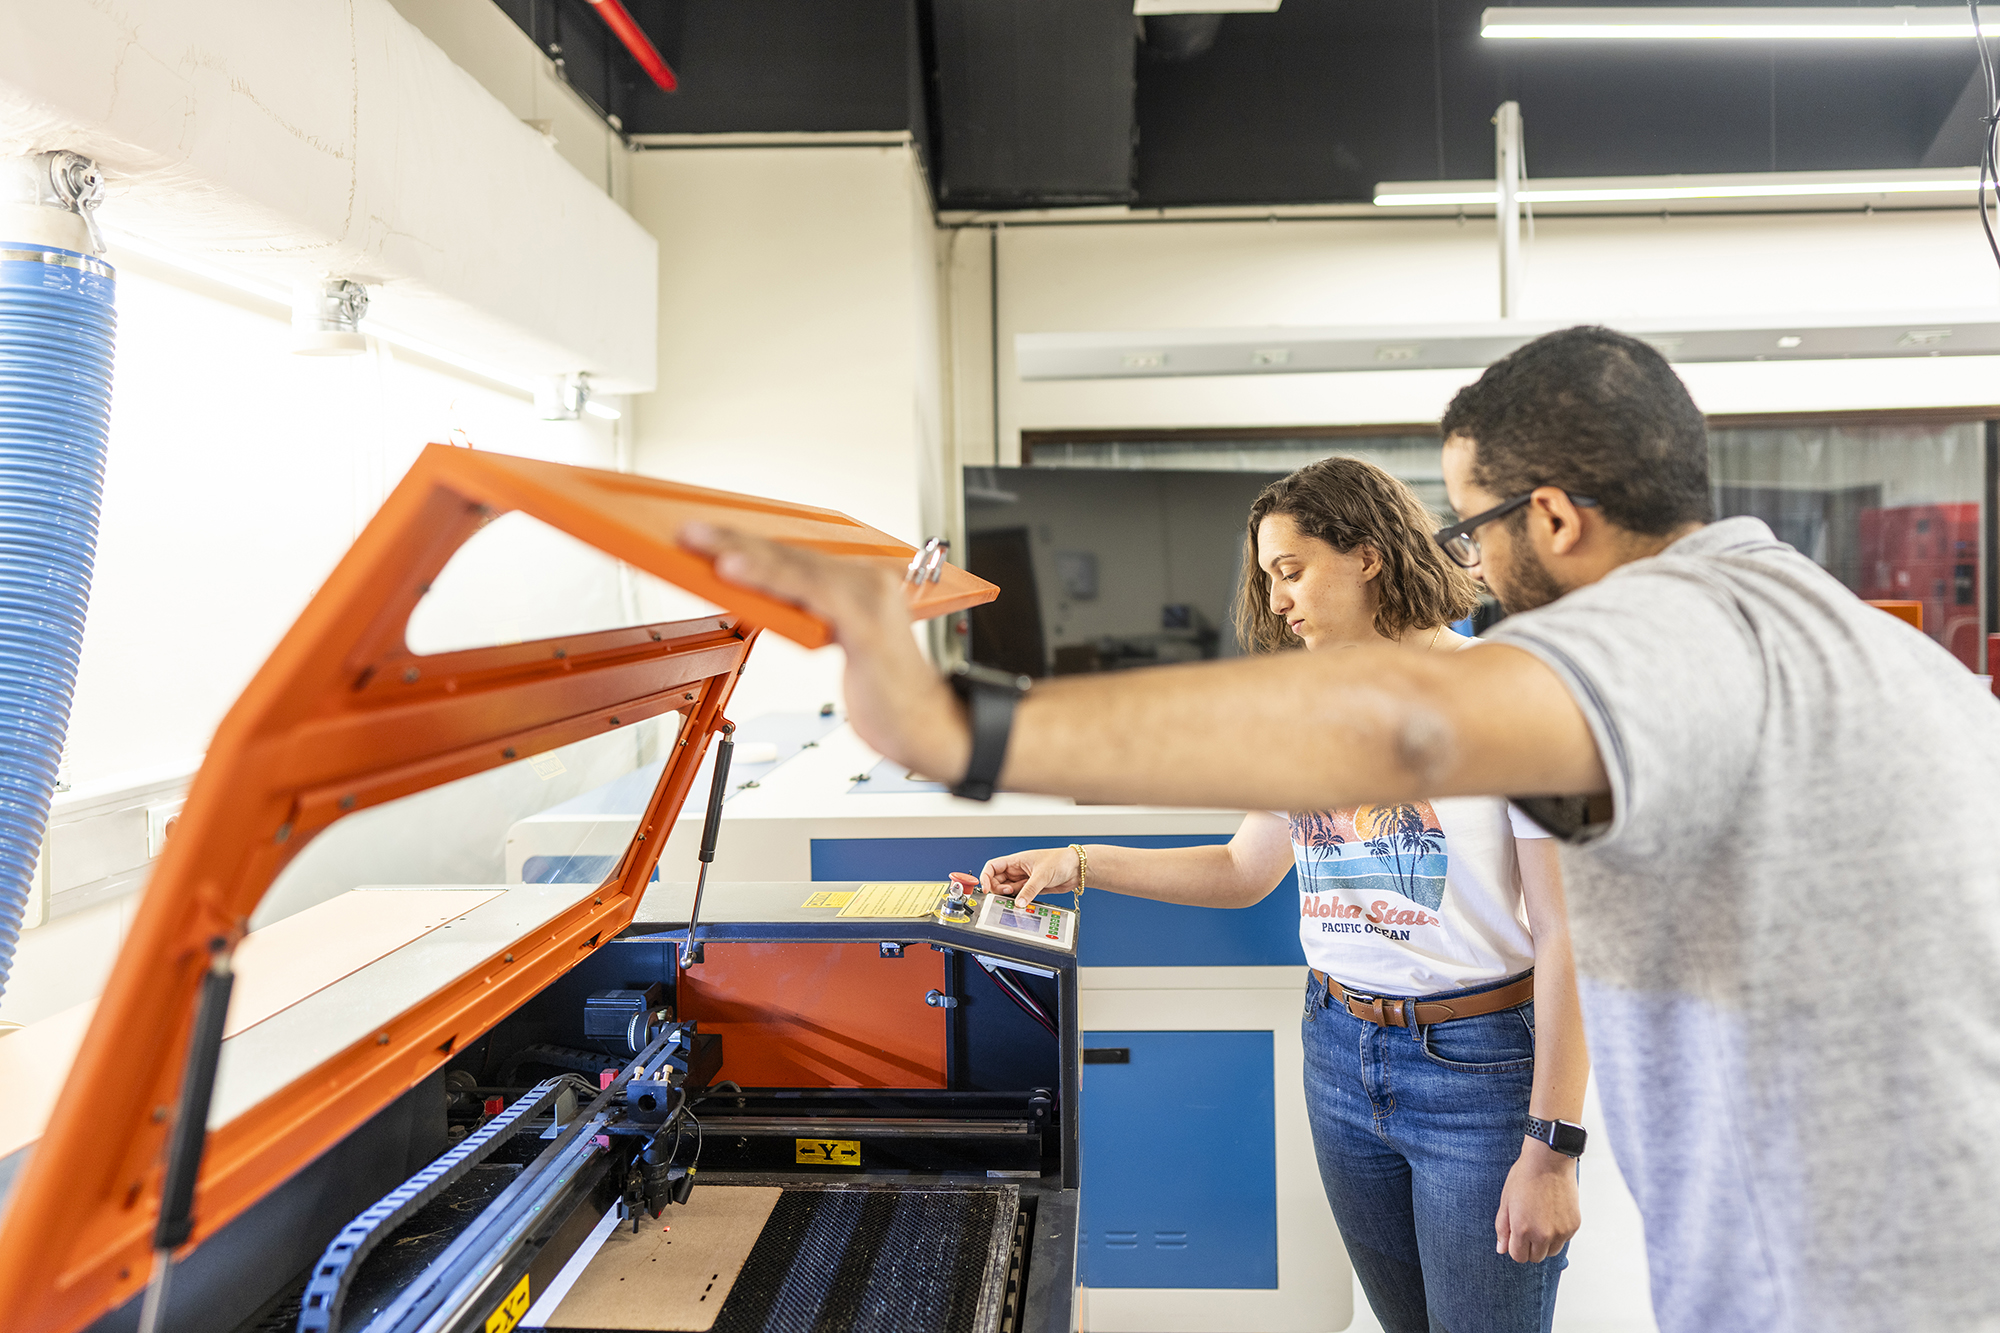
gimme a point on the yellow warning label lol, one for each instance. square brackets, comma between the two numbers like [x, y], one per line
[827, 1152]
[509, 1314]
[896, 900]
[828, 900]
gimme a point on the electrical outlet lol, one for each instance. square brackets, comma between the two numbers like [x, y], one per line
[160, 818]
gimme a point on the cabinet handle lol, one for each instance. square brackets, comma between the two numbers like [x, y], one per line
[1107, 1055]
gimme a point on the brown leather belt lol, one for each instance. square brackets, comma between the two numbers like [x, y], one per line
[1389, 1011]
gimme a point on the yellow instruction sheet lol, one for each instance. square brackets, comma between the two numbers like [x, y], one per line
[903, 901]
[828, 900]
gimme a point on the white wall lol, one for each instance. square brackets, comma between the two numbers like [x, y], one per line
[238, 474]
[1107, 277]
[799, 348]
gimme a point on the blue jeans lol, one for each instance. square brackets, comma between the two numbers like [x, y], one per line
[1416, 1129]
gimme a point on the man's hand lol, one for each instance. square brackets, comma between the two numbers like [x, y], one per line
[1539, 1211]
[1024, 875]
[895, 698]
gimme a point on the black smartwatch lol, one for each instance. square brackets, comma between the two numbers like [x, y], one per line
[1561, 1135]
[989, 697]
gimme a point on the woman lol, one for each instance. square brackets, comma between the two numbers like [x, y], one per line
[1451, 1217]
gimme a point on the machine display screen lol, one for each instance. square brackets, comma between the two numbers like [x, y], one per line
[1050, 927]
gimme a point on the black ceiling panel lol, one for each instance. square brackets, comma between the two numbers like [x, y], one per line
[1823, 107]
[1039, 103]
[787, 65]
[591, 60]
[1034, 100]
[1323, 98]
[771, 66]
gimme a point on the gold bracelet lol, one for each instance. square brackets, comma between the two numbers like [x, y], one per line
[1082, 871]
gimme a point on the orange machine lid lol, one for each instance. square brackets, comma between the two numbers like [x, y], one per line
[343, 717]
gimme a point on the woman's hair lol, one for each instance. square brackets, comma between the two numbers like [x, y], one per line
[1348, 504]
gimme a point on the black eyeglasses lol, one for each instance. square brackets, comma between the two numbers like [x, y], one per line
[1458, 541]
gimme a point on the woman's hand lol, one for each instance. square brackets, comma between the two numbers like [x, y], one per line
[1539, 1210]
[1024, 875]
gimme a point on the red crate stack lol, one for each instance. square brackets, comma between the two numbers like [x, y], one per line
[1930, 554]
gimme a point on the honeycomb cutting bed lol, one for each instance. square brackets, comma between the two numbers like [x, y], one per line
[871, 1260]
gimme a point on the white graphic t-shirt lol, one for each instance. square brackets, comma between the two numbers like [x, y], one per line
[1413, 899]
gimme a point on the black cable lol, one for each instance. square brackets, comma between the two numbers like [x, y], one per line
[1019, 995]
[680, 1128]
[1024, 1002]
[1989, 155]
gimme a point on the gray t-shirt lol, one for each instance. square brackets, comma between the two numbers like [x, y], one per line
[1788, 939]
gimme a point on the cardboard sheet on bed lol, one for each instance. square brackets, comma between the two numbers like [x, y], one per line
[676, 1271]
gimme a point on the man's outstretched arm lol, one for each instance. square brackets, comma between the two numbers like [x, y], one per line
[1294, 731]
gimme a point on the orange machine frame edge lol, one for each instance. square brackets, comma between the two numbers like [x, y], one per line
[344, 716]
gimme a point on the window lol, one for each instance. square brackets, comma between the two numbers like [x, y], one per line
[1891, 509]
[1896, 505]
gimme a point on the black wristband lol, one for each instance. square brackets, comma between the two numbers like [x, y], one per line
[989, 697]
[1566, 1138]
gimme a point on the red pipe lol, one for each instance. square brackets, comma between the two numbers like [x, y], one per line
[637, 42]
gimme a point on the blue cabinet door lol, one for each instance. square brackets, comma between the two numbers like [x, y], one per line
[1179, 1161]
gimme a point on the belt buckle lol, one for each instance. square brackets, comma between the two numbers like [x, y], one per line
[1376, 1006]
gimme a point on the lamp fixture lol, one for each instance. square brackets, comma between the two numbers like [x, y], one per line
[1666, 189]
[1818, 24]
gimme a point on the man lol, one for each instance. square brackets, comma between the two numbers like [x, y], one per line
[1778, 806]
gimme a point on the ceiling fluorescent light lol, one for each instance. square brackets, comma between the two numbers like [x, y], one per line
[1880, 23]
[1667, 189]
[1148, 8]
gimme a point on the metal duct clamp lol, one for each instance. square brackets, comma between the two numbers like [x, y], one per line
[928, 563]
[77, 185]
[61, 180]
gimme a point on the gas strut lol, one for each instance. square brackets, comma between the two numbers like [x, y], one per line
[718, 788]
[190, 1133]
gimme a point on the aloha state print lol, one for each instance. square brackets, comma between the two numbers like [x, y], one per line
[1373, 849]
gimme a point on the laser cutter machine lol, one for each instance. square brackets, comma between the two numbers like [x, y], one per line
[615, 1104]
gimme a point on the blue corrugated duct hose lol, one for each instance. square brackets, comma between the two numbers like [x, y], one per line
[56, 325]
